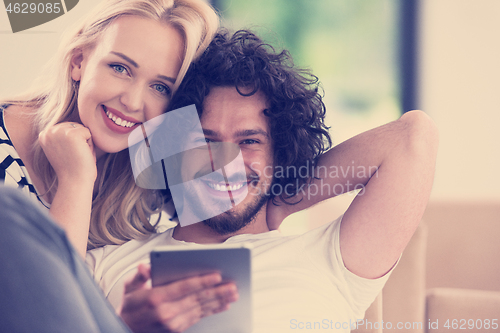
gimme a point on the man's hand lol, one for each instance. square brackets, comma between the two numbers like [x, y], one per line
[176, 306]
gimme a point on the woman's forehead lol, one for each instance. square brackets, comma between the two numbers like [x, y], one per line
[147, 42]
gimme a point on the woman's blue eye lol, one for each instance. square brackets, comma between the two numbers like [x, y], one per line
[162, 89]
[249, 141]
[119, 68]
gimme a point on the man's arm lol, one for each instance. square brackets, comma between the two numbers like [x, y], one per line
[394, 166]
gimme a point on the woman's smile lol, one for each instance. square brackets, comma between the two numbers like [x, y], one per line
[117, 122]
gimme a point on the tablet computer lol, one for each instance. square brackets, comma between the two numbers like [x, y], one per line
[171, 263]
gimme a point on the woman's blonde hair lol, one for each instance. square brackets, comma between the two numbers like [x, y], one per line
[121, 210]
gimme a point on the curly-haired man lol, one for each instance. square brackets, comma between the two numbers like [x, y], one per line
[249, 95]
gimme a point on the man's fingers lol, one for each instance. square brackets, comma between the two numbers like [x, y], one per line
[137, 295]
[216, 305]
[147, 313]
[223, 294]
[208, 311]
[176, 306]
[182, 288]
[209, 301]
[179, 315]
[139, 280]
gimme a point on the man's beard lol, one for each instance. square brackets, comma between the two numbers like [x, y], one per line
[232, 221]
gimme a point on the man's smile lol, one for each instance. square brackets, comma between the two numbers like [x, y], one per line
[225, 186]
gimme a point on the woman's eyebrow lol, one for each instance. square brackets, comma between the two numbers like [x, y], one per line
[167, 78]
[136, 65]
[123, 56]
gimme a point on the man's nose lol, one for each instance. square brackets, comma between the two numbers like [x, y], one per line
[224, 156]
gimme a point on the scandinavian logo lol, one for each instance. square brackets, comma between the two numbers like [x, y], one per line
[205, 178]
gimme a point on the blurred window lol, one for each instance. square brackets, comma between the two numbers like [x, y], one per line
[351, 45]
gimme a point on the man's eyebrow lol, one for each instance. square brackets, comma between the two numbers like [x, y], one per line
[123, 56]
[251, 132]
[242, 133]
[210, 133]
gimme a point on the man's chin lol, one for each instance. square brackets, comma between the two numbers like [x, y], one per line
[236, 219]
[223, 226]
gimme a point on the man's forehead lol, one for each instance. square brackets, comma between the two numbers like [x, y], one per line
[226, 106]
[230, 96]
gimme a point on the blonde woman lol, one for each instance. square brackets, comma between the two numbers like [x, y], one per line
[68, 137]
[65, 144]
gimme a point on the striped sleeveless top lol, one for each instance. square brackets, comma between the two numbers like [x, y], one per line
[13, 173]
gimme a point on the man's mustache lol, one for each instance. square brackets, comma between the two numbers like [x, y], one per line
[217, 177]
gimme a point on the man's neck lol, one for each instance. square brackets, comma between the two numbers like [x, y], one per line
[203, 234]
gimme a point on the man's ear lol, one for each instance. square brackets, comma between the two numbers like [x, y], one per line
[76, 64]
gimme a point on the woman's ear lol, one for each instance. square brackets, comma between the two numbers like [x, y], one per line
[76, 65]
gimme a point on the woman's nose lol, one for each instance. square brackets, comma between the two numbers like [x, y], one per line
[133, 98]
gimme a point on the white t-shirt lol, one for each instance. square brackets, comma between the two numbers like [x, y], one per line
[299, 282]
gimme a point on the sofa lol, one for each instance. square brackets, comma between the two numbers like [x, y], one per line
[440, 285]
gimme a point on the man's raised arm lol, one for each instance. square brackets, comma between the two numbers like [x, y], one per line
[394, 166]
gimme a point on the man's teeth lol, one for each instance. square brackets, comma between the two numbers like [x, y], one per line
[119, 121]
[224, 187]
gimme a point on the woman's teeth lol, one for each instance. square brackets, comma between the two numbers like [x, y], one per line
[118, 121]
[224, 187]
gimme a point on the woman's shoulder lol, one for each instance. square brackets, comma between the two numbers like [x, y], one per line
[3, 106]
[10, 163]
[18, 109]
[18, 119]
[10, 125]
[4, 137]
[17, 125]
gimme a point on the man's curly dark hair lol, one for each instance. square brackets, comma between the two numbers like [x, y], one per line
[296, 111]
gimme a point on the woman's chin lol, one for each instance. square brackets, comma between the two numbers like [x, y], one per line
[107, 148]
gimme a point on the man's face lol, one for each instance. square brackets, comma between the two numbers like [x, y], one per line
[231, 118]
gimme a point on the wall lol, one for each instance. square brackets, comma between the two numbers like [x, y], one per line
[23, 54]
[460, 83]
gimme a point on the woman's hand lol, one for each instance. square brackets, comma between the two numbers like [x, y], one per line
[176, 306]
[69, 149]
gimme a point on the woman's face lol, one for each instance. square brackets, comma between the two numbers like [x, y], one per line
[126, 79]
